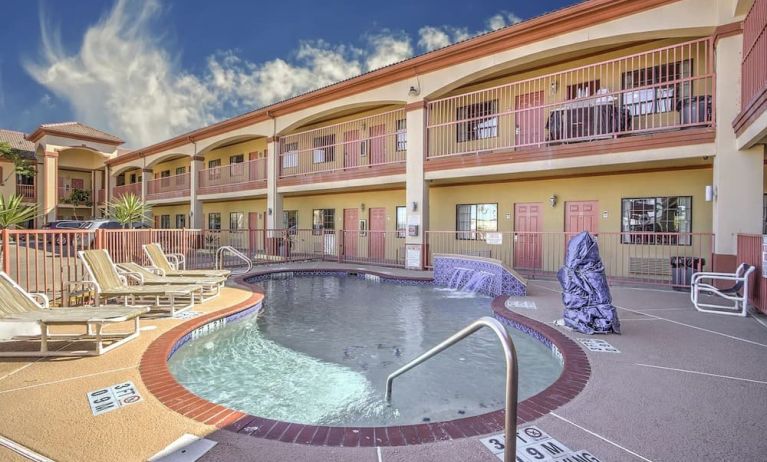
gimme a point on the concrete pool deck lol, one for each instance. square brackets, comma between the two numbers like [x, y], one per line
[685, 386]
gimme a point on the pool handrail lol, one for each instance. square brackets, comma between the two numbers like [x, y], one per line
[219, 262]
[510, 354]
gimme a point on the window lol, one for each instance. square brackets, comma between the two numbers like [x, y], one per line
[236, 166]
[180, 170]
[214, 172]
[120, 180]
[323, 219]
[324, 149]
[165, 178]
[401, 221]
[165, 221]
[236, 221]
[658, 98]
[214, 220]
[290, 155]
[472, 220]
[481, 121]
[583, 89]
[29, 180]
[402, 135]
[180, 178]
[165, 174]
[133, 178]
[290, 220]
[180, 221]
[645, 217]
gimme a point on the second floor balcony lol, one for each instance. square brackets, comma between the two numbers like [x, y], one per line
[667, 88]
[28, 192]
[125, 189]
[168, 187]
[233, 177]
[368, 146]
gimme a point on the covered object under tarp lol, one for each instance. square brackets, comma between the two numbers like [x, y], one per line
[588, 304]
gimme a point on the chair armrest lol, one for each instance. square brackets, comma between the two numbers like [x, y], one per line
[180, 260]
[138, 277]
[156, 271]
[173, 260]
[42, 299]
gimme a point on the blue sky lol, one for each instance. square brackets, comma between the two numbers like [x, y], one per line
[148, 70]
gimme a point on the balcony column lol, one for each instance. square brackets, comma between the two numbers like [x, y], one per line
[146, 175]
[273, 198]
[417, 191]
[738, 183]
[195, 205]
[48, 187]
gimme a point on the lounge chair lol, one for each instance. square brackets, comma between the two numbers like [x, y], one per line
[175, 264]
[211, 287]
[737, 295]
[108, 283]
[18, 305]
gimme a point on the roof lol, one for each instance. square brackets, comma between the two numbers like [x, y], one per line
[18, 141]
[75, 130]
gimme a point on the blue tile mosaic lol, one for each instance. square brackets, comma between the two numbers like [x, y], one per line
[502, 282]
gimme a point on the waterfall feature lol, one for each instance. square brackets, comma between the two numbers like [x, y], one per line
[468, 280]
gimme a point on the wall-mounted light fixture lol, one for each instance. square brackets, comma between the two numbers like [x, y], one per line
[553, 200]
[554, 87]
[414, 206]
[414, 91]
[362, 206]
[710, 193]
[269, 211]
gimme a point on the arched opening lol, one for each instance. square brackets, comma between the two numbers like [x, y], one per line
[233, 164]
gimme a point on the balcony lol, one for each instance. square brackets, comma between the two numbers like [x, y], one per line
[74, 197]
[754, 66]
[365, 147]
[234, 177]
[664, 89]
[28, 192]
[169, 187]
[122, 190]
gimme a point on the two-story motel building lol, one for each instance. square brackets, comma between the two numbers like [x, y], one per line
[610, 116]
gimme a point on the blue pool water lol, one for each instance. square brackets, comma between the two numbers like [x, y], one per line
[321, 348]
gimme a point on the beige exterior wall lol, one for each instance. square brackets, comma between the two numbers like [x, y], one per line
[305, 205]
[244, 148]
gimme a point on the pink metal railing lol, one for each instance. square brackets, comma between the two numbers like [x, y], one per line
[131, 188]
[368, 142]
[169, 187]
[383, 248]
[628, 257]
[754, 64]
[233, 177]
[27, 191]
[662, 89]
[751, 250]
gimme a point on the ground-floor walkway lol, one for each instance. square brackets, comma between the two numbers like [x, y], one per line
[684, 386]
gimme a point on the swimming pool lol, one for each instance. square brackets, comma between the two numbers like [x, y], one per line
[321, 349]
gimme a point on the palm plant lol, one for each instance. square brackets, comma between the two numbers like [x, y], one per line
[14, 213]
[21, 166]
[129, 209]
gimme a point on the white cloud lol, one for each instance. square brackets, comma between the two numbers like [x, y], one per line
[435, 37]
[122, 79]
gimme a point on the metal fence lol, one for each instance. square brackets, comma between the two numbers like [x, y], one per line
[751, 249]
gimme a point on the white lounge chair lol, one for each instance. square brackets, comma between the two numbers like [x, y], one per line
[703, 283]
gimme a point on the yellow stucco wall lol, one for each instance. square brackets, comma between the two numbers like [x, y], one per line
[223, 154]
[171, 165]
[226, 208]
[305, 205]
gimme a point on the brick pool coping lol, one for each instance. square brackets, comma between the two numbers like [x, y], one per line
[159, 381]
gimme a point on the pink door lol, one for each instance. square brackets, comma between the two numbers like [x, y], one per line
[581, 216]
[377, 144]
[252, 233]
[377, 239]
[351, 232]
[351, 148]
[529, 119]
[527, 240]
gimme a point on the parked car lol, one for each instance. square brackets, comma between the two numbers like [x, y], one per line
[61, 238]
[80, 239]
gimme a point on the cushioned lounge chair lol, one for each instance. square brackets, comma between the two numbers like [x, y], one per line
[175, 264]
[109, 284]
[145, 276]
[18, 305]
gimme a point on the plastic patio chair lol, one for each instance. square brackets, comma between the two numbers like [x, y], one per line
[736, 295]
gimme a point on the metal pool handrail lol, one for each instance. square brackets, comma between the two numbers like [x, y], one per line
[228, 248]
[510, 354]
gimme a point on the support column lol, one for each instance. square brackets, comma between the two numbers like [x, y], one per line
[417, 191]
[49, 186]
[273, 198]
[195, 205]
[738, 174]
[146, 175]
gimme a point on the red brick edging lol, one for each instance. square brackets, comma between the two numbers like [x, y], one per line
[158, 380]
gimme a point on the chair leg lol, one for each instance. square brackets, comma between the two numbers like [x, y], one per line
[43, 338]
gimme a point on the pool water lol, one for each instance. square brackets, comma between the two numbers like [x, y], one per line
[321, 348]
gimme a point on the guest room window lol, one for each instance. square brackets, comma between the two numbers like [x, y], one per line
[657, 220]
[473, 220]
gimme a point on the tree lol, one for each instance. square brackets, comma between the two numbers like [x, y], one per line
[129, 209]
[21, 166]
[14, 213]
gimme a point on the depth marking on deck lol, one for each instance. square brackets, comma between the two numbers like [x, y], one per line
[598, 345]
[113, 397]
[187, 315]
[533, 444]
[703, 373]
[599, 436]
[516, 303]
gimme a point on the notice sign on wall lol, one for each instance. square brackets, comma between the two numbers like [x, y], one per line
[413, 256]
[112, 398]
[494, 238]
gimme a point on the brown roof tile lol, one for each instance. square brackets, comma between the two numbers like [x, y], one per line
[76, 129]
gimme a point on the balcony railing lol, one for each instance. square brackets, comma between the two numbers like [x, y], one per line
[754, 53]
[662, 89]
[27, 191]
[370, 142]
[233, 177]
[169, 187]
[131, 188]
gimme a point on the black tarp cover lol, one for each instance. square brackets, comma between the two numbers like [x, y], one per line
[585, 293]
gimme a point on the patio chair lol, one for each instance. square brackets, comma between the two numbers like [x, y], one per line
[174, 265]
[18, 305]
[736, 295]
[211, 287]
[108, 283]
